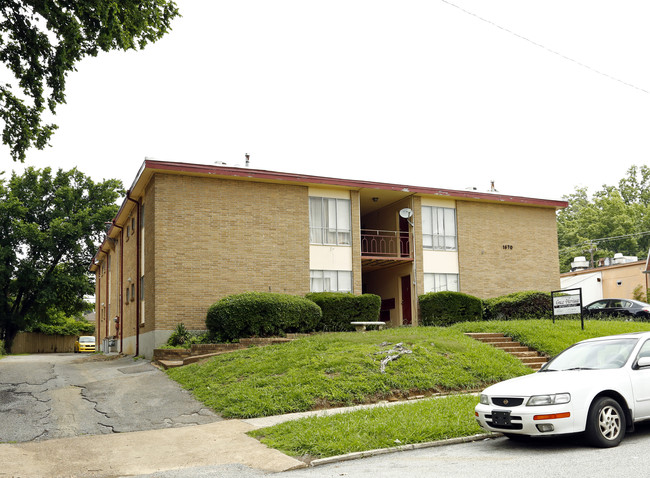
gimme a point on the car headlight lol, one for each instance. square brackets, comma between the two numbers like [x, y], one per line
[484, 399]
[553, 399]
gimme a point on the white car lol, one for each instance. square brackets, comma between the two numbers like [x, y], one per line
[599, 386]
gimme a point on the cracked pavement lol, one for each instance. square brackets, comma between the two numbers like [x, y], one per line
[49, 396]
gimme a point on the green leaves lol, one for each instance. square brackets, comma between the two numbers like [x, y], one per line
[42, 40]
[609, 222]
[50, 225]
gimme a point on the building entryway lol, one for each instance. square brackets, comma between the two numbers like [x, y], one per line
[406, 300]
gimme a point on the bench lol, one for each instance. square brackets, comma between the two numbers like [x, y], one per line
[361, 326]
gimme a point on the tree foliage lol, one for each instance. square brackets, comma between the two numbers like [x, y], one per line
[50, 226]
[616, 219]
[42, 40]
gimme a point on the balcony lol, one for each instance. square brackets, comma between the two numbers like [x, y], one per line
[380, 248]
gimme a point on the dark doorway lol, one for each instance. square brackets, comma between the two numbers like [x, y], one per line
[406, 300]
[404, 246]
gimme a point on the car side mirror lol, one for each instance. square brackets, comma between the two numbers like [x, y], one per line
[643, 362]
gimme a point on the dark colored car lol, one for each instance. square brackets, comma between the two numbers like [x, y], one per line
[618, 308]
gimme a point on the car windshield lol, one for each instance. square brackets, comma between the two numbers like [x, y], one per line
[602, 354]
[86, 340]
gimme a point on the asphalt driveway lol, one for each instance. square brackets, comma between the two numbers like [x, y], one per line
[67, 415]
[64, 395]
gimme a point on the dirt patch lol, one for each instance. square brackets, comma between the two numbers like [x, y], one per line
[98, 358]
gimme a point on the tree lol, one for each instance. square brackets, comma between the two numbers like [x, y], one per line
[42, 40]
[615, 219]
[50, 226]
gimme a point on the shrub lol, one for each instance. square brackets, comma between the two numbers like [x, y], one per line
[446, 308]
[183, 338]
[261, 314]
[340, 308]
[180, 336]
[57, 323]
[528, 304]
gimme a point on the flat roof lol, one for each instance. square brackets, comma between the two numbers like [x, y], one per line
[152, 166]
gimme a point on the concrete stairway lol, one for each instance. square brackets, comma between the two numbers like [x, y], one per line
[528, 356]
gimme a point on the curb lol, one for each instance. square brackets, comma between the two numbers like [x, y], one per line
[415, 446]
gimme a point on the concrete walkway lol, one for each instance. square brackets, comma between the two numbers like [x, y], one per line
[146, 452]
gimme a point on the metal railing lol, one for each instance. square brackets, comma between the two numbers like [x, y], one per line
[389, 244]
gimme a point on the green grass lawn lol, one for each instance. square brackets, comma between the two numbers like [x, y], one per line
[343, 369]
[370, 429]
[339, 369]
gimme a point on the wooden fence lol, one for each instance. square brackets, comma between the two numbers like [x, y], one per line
[36, 343]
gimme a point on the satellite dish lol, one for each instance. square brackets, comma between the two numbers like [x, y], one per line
[406, 213]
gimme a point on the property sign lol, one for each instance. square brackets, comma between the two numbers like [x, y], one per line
[566, 304]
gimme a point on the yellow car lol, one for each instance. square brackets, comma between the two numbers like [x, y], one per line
[85, 343]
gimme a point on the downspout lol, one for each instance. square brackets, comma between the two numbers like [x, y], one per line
[121, 287]
[137, 272]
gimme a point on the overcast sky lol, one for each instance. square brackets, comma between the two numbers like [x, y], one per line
[539, 96]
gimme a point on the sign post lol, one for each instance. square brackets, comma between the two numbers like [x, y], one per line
[567, 302]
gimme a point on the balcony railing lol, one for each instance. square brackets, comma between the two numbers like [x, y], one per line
[388, 244]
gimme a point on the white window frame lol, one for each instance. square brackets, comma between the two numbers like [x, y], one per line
[336, 281]
[439, 229]
[439, 282]
[338, 230]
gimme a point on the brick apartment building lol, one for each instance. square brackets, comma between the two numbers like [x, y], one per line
[187, 235]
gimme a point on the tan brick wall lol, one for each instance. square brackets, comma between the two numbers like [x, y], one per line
[149, 258]
[356, 243]
[129, 304]
[504, 249]
[107, 291]
[416, 231]
[213, 237]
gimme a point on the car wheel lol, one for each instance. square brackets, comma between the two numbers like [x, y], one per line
[605, 423]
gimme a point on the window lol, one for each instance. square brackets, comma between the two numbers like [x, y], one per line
[439, 228]
[440, 282]
[132, 292]
[330, 281]
[329, 221]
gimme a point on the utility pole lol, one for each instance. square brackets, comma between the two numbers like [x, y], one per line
[592, 249]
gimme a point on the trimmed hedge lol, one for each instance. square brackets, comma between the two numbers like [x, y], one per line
[446, 308]
[340, 308]
[261, 314]
[520, 305]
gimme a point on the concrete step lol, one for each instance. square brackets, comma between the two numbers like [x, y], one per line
[528, 356]
[495, 340]
[515, 348]
[533, 360]
[499, 345]
[483, 335]
[530, 353]
[170, 363]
